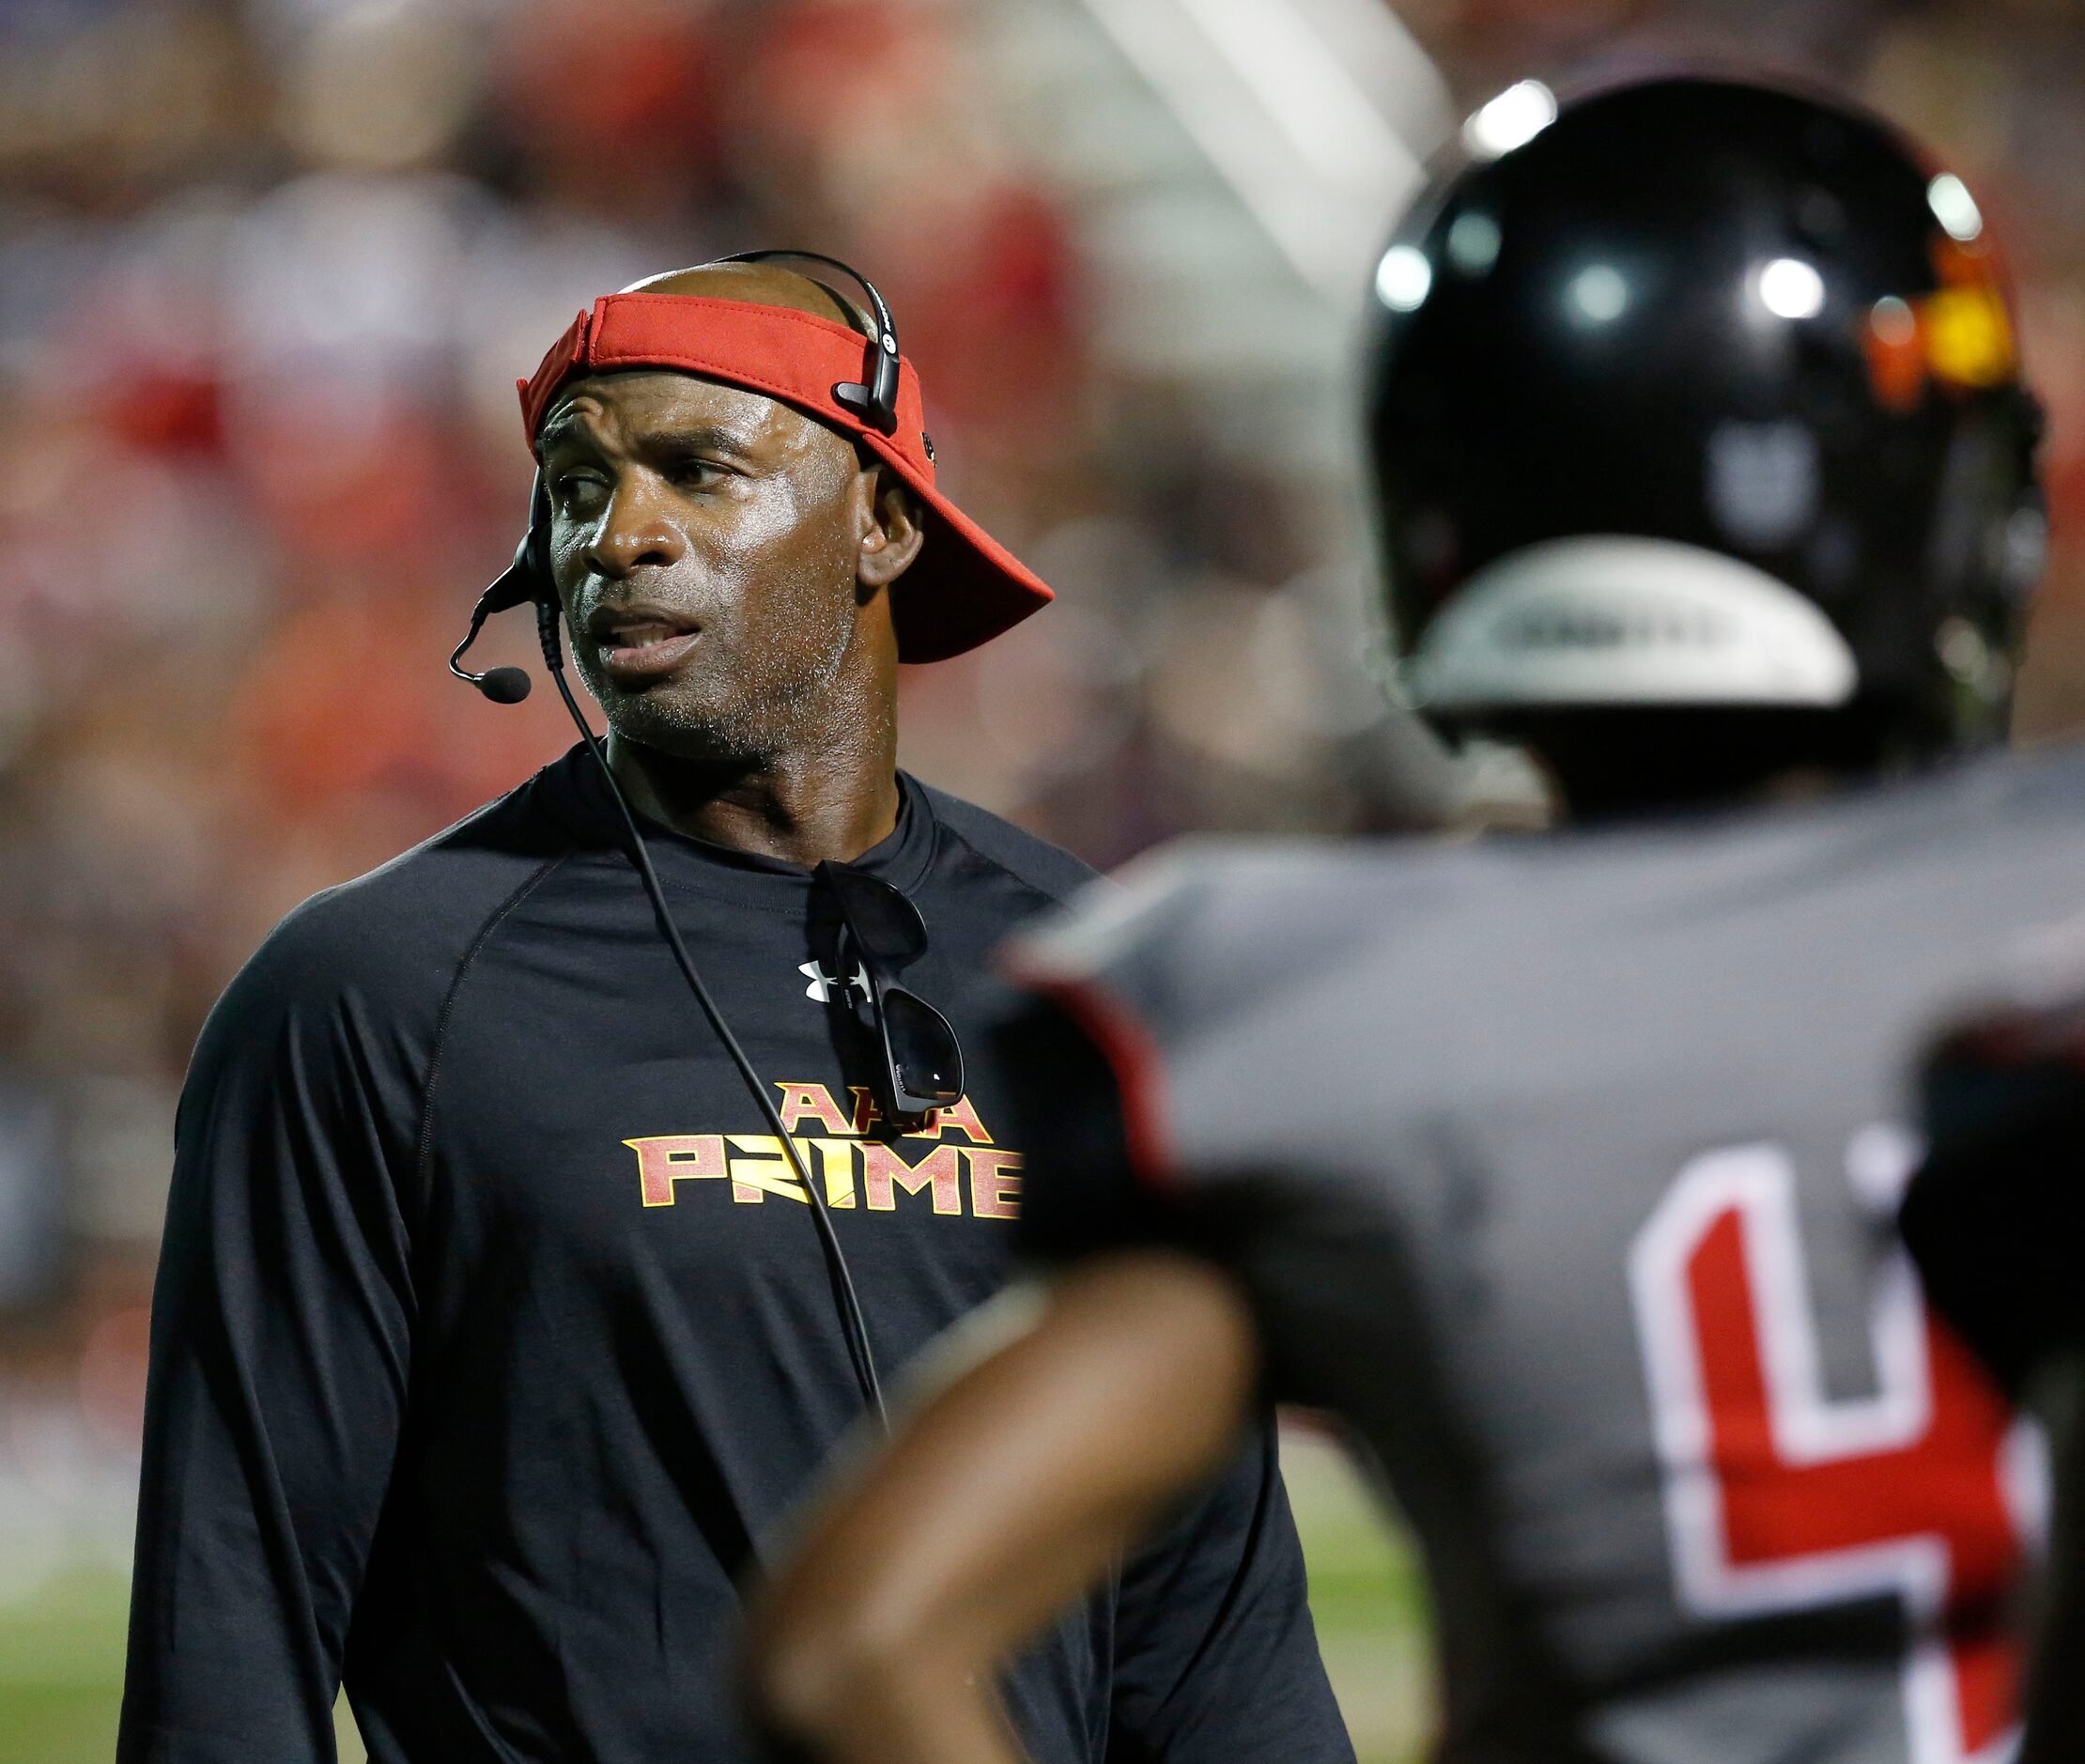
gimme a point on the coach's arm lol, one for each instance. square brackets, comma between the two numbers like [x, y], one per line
[281, 1344]
[1011, 1492]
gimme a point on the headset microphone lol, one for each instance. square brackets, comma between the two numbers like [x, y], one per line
[504, 686]
[520, 583]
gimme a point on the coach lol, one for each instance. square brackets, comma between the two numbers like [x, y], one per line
[493, 1336]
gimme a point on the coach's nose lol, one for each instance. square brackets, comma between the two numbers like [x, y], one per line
[636, 531]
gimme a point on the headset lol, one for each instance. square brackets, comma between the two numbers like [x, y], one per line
[528, 581]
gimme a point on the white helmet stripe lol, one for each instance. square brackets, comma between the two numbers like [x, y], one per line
[1610, 619]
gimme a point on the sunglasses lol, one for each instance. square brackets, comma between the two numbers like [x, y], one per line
[923, 1059]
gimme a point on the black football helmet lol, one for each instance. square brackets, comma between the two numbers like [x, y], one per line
[1704, 396]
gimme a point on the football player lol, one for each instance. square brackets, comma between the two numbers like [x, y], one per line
[1563, 1171]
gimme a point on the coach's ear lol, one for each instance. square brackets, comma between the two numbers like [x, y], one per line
[892, 525]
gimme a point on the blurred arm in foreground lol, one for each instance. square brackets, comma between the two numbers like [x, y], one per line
[1996, 1221]
[1014, 1489]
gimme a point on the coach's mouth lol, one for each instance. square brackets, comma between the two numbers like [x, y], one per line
[640, 643]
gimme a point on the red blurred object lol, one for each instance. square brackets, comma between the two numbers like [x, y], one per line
[817, 66]
[112, 1377]
[165, 413]
[335, 485]
[606, 98]
[996, 316]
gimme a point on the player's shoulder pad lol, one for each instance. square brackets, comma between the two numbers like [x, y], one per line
[1156, 899]
[1048, 870]
[1199, 931]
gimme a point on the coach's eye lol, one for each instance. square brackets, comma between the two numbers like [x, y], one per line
[698, 473]
[571, 488]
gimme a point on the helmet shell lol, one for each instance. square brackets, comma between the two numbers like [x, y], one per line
[1725, 337]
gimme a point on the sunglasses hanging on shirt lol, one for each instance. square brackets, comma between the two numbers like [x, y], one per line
[922, 1059]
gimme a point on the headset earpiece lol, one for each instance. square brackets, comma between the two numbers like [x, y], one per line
[525, 580]
[873, 398]
[528, 578]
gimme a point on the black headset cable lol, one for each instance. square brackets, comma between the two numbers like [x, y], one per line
[854, 1326]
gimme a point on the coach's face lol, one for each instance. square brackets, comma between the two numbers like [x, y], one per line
[723, 563]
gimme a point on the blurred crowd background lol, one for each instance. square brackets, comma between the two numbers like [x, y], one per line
[269, 271]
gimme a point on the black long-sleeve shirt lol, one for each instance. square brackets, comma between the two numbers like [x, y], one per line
[493, 1342]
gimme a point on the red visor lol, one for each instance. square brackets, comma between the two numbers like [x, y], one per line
[964, 588]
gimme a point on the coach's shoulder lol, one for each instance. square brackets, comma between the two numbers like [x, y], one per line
[1049, 869]
[393, 938]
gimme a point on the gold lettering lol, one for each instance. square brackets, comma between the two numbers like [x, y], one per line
[836, 1159]
[758, 1166]
[763, 1170]
[815, 1099]
[995, 1186]
[959, 1115]
[669, 1158]
[883, 1172]
[866, 1112]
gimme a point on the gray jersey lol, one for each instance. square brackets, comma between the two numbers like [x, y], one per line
[1563, 1169]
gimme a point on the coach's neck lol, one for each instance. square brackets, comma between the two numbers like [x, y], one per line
[833, 794]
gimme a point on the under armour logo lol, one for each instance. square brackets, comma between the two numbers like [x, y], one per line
[823, 985]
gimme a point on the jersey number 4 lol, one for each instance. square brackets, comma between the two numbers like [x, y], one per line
[1779, 1497]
